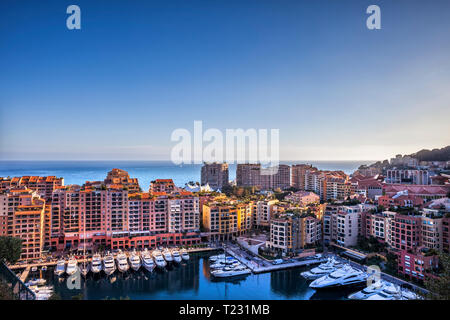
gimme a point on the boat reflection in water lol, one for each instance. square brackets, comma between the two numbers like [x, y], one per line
[191, 279]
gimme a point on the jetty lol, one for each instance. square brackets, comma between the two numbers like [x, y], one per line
[262, 266]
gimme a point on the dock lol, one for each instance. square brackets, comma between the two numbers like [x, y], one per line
[267, 266]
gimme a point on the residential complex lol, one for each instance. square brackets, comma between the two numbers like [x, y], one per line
[215, 175]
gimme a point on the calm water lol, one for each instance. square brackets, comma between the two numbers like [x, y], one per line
[78, 172]
[191, 280]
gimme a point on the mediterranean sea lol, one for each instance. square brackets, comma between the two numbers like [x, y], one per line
[78, 172]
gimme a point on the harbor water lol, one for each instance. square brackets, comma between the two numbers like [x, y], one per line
[191, 280]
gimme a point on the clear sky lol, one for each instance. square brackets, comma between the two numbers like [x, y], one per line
[137, 70]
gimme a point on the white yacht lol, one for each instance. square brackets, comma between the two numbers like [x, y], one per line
[167, 255]
[108, 264]
[341, 277]
[184, 254]
[96, 264]
[60, 267]
[390, 291]
[147, 260]
[368, 291]
[159, 260]
[72, 266]
[122, 262]
[321, 270]
[135, 261]
[232, 272]
[217, 257]
[176, 255]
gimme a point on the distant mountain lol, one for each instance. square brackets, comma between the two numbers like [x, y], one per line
[433, 155]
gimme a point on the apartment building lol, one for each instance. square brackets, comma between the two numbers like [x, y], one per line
[249, 175]
[303, 198]
[183, 213]
[162, 185]
[44, 186]
[408, 176]
[28, 225]
[121, 177]
[298, 175]
[215, 175]
[226, 220]
[262, 212]
[294, 231]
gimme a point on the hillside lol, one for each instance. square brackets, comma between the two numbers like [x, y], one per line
[442, 154]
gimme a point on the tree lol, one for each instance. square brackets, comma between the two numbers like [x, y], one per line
[5, 292]
[10, 249]
[439, 287]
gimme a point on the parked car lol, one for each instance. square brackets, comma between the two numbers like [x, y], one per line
[278, 261]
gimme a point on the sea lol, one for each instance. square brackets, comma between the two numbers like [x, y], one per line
[78, 172]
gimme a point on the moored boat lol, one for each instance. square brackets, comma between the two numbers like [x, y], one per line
[122, 262]
[72, 266]
[135, 261]
[184, 254]
[108, 264]
[60, 267]
[159, 260]
[147, 260]
[96, 263]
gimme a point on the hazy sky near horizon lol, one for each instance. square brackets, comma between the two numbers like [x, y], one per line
[137, 70]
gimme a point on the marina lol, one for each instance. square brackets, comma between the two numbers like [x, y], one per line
[190, 279]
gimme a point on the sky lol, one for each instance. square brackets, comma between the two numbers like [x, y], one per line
[138, 70]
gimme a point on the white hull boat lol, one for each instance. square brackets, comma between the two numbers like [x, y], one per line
[72, 267]
[122, 262]
[159, 260]
[108, 264]
[135, 261]
[60, 268]
[147, 261]
[96, 264]
[184, 254]
[342, 277]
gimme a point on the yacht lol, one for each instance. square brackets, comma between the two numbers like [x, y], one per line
[60, 267]
[135, 261]
[122, 262]
[368, 291]
[147, 260]
[217, 257]
[167, 255]
[321, 270]
[159, 260]
[232, 272]
[108, 264]
[390, 291]
[176, 255]
[96, 264]
[184, 254]
[341, 277]
[72, 266]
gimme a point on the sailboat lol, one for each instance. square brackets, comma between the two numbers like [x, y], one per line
[85, 267]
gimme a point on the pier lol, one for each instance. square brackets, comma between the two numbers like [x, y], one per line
[262, 266]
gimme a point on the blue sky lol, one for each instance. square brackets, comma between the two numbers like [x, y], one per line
[137, 70]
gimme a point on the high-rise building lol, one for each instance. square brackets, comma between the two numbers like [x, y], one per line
[298, 175]
[253, 175]
[215, 175]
